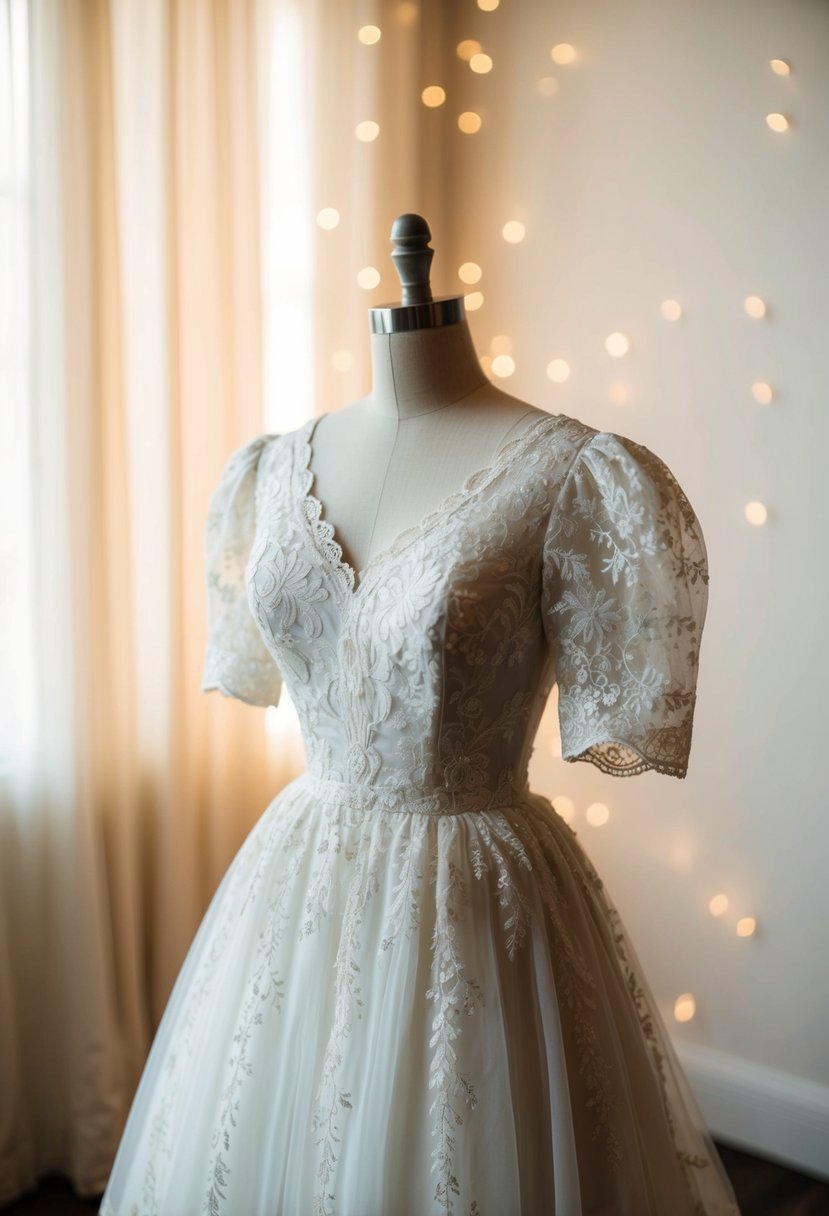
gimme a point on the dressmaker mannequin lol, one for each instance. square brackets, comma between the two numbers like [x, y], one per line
[431, 420]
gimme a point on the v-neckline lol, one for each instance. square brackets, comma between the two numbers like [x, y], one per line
[322, 531]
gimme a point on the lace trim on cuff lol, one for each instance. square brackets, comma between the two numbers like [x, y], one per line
[254, 681]
[664, 751]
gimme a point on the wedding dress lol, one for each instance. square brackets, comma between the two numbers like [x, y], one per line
[411, 992]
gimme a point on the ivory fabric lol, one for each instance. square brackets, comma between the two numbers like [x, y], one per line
[411, 991]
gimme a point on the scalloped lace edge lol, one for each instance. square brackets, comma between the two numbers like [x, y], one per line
[323, 529]
[590, 752]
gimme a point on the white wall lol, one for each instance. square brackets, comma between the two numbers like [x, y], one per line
[651, 173]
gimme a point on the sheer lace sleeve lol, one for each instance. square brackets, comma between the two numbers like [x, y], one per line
[625, 594]
[236, 660]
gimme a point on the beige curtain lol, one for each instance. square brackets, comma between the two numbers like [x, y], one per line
[183, 299]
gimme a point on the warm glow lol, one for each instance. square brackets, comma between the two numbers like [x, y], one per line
[671, 310]
[547, 85]
[368, 277]
[754, 306]
[777, 122]
[513, 231]
[469, 122]
[469, 272]
[563, 52]
[779, 66]
[341, 360]
[746, 926]
[761, 392]
[684, 1007]
[682, 853]
[503, 366]
[407, 12]
[329, 217]
[617, 345]
[501, 344]
[473, 301]
[488, 6]
[480, 63]
[718, 904]
[565, 807]
[467, 48]
[597, 814]
[558, 370]
[756, 513]
[368, 34]
[433, 95]
[619, 393]
[367, 131]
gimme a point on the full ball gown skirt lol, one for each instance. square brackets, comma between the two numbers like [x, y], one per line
[411, 992]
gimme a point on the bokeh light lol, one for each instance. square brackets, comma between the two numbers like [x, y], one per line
[513, 232]
[563, 52]
[469, 272]
[469, 122]
[503, 366]
[558, 370]
[367, 131]
[368, 34]
[433, 95]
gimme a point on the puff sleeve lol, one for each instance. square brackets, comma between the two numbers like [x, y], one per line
[236, 660]
[624, 599]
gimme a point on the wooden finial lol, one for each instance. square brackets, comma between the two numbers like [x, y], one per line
[412, 257]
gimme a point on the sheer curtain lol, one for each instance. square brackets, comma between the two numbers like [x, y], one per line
[165, 293]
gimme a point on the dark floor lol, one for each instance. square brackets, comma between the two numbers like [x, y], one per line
[762, 1189]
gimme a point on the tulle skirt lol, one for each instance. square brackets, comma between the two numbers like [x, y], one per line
[392, 1012]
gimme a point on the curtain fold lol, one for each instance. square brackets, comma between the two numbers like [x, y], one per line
[182, 299]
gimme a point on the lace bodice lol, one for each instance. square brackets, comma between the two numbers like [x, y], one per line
[574, 558]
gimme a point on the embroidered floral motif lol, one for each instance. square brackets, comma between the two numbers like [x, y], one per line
[575, 558]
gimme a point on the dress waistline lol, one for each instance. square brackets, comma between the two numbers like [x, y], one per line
[418, 798]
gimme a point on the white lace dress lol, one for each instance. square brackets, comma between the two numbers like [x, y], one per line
[411, 992]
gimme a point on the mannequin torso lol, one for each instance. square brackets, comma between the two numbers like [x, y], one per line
[432, 419]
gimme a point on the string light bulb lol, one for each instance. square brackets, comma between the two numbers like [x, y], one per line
[756, 513]
[777, 122]
[671, 310]
[473, 301]
[597, 814]
[368, 277]
[685, 1007]
[328, 218]
[718, 904]
[746, 926]
[433, 95]
[466, 49]
[513, 232]
[503, 366]
[367, 131]
[755, 307]
[558, 370]
[469, 272]
[761, 392]
[368, 34]
[563, 52]
[481, 63]
[780, 67]
[469, 122]
[617, 345]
